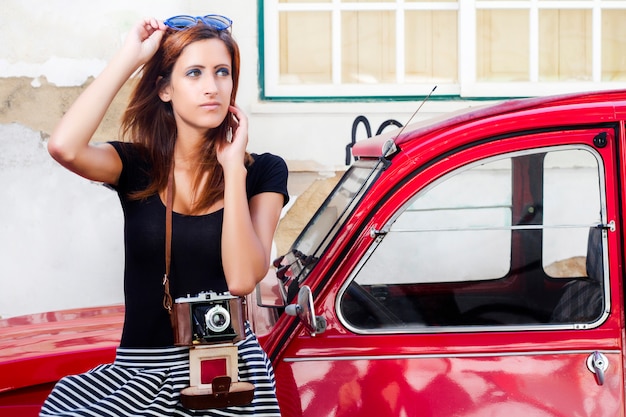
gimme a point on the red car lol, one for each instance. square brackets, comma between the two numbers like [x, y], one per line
[469, 265]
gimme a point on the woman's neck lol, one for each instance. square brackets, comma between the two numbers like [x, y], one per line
[187, 152]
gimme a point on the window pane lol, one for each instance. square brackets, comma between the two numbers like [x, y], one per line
[305, 47]
[502, 47]
[431, 46]
[613, 45]
[368, 47]
[571, 197]
[468, 215]
[459, 256]
[565, 45]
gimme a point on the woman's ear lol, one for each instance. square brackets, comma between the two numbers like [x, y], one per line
[164, 90]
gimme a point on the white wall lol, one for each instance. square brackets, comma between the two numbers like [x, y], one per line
[61, 242]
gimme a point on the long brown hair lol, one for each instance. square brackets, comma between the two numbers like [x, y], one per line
[150, 122]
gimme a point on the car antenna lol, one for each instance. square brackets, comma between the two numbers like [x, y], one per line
[415, 112]
[389, 147]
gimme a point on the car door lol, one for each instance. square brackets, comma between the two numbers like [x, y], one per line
[487, 284]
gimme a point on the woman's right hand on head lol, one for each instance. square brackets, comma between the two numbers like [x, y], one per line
[144, 39]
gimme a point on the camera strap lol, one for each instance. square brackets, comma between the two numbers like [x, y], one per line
[221, 392]
[169, 201]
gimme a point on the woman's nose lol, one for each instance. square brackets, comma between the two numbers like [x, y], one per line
[210, 86]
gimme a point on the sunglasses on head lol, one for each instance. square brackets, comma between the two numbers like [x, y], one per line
[184, 21]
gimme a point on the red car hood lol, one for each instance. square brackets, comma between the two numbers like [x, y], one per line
[41, 348]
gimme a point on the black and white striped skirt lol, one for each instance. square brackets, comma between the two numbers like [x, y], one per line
[147, 382]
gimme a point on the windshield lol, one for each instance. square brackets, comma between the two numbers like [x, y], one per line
[324, 225]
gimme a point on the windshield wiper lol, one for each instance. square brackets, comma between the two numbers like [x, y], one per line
[281, 269]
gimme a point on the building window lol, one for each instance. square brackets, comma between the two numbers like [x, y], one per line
[469, 48]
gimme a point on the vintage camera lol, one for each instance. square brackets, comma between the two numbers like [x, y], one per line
[208, 318]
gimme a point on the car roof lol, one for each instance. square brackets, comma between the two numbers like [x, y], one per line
[377, 146]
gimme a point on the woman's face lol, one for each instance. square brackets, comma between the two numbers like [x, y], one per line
[200, 86]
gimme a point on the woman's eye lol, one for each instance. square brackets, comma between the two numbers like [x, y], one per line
[193, 73]
[223, 72]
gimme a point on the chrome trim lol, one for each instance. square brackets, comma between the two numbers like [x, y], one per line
[598, 363]
[415, 328]
[451, 355]
[378, 233]
[388, 148]
[516, 227]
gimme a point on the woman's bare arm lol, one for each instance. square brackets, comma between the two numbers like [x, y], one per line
[69, 142]
[248, 227]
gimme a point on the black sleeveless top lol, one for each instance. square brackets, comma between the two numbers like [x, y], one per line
[196, 246]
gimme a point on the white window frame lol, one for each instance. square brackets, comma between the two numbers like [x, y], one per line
[467, 87]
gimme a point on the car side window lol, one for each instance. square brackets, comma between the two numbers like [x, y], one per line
[510, 241]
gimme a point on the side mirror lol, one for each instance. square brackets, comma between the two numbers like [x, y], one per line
[305, 311]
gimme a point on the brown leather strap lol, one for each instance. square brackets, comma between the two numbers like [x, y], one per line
[169, 201]
[222, 393]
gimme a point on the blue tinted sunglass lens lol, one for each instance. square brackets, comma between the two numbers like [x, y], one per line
[180, 22]
[217, 21]
[183, 21]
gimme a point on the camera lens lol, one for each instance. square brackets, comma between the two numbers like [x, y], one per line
[217, 319]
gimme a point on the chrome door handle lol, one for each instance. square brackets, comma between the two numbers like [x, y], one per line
[598, 363]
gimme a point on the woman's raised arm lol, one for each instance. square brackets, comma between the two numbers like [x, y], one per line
[69, 142]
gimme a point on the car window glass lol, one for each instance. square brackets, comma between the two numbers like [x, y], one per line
[326, 222]
[489, 245]
[571, 200]
[336, 208]
[453, 217]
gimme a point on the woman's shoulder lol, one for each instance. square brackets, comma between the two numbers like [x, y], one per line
[267, 165]
[132, 154]
[128, 149]
[268, 173]
[135, 165]
[267, 160]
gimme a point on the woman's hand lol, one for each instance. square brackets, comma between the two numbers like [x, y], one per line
[144, 39]
[231, 155]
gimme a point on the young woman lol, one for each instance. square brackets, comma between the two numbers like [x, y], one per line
[181, 117]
